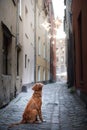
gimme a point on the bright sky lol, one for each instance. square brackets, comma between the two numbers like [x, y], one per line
[58, 6]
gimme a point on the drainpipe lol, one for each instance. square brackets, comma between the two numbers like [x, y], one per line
[35, 41]
[17, 39]
[17, 25]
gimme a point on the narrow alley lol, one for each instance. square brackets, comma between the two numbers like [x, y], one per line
[61, 110]
[44, 41]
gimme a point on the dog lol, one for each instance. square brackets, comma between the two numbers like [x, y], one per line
[32, 112]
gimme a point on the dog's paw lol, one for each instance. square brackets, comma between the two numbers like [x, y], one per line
[44, 120]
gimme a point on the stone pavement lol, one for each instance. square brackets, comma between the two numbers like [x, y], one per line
[61, 110]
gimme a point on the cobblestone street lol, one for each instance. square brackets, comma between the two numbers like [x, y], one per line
[61, 110]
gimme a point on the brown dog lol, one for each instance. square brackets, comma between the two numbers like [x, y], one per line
[33, 108]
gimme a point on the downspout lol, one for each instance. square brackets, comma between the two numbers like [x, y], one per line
[35, 41]
[17, 39]
[17, 25]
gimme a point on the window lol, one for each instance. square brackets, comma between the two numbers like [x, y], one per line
[62, 49]
[57, 51]
[7, 40]
[18, 62]
[38, 73]
[57, 59]
[6, 55]
[44, 51]
[48, 74]
[28, 66]
[62, 59]
[48, 51]
[44, 74]
[26, 10]
[31, 24]
[39, 19]
[25, 60]
[39, 46]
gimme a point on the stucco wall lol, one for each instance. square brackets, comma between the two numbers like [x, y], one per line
[79, 8]
[28, 41]
[7, 82]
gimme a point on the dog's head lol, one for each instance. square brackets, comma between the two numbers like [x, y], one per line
[37, 87]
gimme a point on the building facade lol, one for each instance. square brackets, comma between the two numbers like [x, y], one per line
[61, 59]
[69, 43]
[45, 51]
[25, 48]
[27, 21]
[79, 25]
[42, 52]
[52, 32]
[8, 51]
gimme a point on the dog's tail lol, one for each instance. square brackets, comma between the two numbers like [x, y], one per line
[14, 124]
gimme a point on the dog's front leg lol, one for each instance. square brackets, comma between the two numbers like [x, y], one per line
[40, 115]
